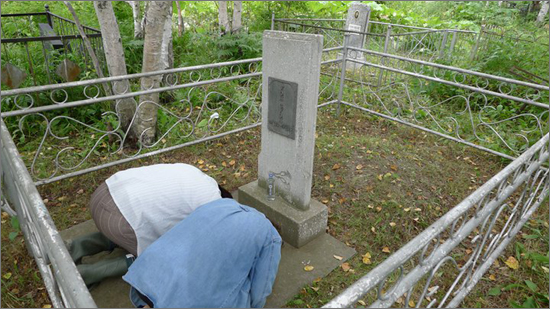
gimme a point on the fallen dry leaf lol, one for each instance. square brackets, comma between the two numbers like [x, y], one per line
[308, 268]
[232, 162]
[327, 177]
[392, 224]
[393, 167]
[379, 209]
[224, 164]
[512, 263]
[324, 201]
[492, 277]
[331, 185]
[380, 177]
[362, 303]
[411, 303]
[358, 167]
[370, 206]
[315, 288]
[345, 267]
[373, 229]
[61, 199]
[386, 250]
[80, 191]
[407, 209]
[339, 258]
[336, 166]
[201, 161]
[366, 258]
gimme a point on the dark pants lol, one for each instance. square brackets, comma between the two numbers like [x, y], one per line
[110, 221]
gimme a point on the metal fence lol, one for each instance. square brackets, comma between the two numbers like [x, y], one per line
[499, 115]
[201, 103]
[46, 57]
[452, 45]
[461, 246]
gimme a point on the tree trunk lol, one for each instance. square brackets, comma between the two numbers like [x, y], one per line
[136, 12]
[223, 18]
[88, 46]
[180, 20]
[146, 115]
[116, 64]
[144, 18]
[167, 55]
[237, 12]
[541, 18]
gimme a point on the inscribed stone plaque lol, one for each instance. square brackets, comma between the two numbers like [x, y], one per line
[282, 101]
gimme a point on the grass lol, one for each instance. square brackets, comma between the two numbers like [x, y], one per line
[383, 184]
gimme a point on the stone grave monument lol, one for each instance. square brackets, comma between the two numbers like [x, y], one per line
[357, 20]
[291, 69]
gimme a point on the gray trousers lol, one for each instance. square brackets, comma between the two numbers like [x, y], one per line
[110, 221]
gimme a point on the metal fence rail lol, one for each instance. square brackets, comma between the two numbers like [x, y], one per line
[462, 244]
[197, 104]
[202, 103]
[61, 278]
[448, 101]
[47, 58]
[424, 43]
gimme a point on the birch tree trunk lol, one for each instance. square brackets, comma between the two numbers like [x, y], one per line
[146, 114]
[543, 12]
[237, 12]
[88, 46]
[144, 18]
[136, 12]
[223, 18]
[116, 63]
[167, 55]
[180, 19]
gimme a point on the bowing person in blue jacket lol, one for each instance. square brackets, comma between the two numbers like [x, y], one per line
[222, 255]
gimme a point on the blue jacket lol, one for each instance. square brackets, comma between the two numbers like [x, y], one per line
[223, 255]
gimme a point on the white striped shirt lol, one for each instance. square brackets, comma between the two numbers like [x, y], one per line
[155, 198]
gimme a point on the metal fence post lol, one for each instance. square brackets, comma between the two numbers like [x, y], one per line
[48, 16]
[272, 21]
[382, 61]
[477, 42]
[443, 44]
[453, 42]
[343, 72]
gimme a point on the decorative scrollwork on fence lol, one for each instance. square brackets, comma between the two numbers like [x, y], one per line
[74, 140]
[453, 103]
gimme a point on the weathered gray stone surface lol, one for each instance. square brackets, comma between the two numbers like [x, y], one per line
[291, 277]
[298, 227]
[357, 20]
[295, 58]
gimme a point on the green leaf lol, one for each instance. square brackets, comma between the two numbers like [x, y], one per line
[531, 285]
[530, 236]
[202, 123]
[530, 303]
[513, 285]
[15, 223]
[12, 235]
[539, 257]
[494, 292]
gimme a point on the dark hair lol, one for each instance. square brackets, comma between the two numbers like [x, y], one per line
[225, 193]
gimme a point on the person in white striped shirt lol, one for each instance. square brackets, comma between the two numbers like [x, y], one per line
[134, 207]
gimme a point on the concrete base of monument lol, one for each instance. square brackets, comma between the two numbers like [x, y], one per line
[297, 227]
[291, 277]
